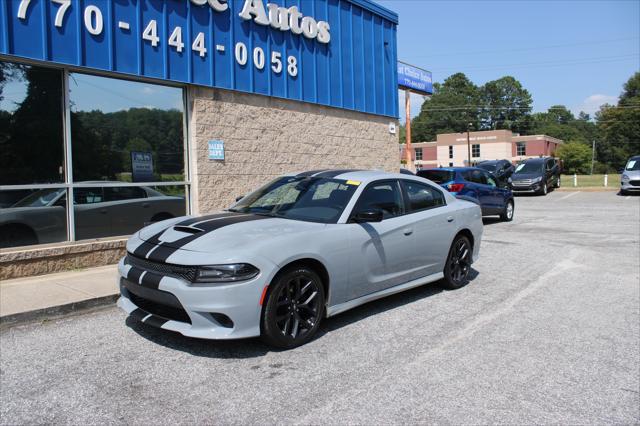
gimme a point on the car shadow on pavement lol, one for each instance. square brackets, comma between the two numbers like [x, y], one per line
[491, 220]
[252, 348]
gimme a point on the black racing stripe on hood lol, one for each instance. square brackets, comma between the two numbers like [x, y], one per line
[333, 173]
[162, 253]
[143, 249]
[310, 173]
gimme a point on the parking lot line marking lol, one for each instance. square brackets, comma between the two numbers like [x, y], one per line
[569, 195]
[627, 197]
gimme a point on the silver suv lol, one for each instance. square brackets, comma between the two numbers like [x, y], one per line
[630, 181]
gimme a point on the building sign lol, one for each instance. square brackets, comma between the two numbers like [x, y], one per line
[141, 166]
[415, 79]
[340, 53]
[216, 150]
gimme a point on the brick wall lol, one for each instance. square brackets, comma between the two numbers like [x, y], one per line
[266, 137]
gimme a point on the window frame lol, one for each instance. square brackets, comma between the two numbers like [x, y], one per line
[418, 151]
[403, 201]
[450, 151]
[522, 145]
[473, 150]
[405, 196]
[68, 183]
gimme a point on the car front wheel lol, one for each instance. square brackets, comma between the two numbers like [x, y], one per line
[544, 189]
[293, 309]
[456, 270]
[507, 214]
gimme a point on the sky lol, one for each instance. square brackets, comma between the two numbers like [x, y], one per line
[577, 53]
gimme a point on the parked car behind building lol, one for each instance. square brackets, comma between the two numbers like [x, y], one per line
[477, 184]
[630, 180]
[536, 175]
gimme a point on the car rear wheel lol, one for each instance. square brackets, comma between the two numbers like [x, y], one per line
[558, 183]
[294, 308]
[507, 214]
[456, 270]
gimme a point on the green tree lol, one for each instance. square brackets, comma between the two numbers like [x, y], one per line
[454, 105]
[575, 156]
[506, 105]
[559, 122]
[619, 126]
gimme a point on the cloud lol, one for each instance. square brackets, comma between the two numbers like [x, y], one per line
[148, 90]
[592, 103]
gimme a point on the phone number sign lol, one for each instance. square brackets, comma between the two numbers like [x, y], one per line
[281, 48]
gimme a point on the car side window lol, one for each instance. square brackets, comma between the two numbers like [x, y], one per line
[87, 195]
[476, 176]
[384, 195]
[422, 197]
[123, 193]
[490, 180]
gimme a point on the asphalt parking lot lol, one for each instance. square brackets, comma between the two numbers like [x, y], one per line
[548, 331]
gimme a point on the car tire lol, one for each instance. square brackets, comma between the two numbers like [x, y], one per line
[544, 190]
[456, 270]
[557, 185]
[623, 192]
[507, 214]
[294, 308]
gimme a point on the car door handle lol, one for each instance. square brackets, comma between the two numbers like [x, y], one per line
[450, 219]
[408, 231]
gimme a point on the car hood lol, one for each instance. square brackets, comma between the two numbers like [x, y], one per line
[224, 231]
[633, 174]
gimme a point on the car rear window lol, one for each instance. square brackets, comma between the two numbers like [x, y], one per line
[438, 176]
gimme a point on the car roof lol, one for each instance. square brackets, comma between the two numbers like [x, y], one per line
[352, 174]
[635, 157]
[491, 161]
[456, 169]
[535, 160]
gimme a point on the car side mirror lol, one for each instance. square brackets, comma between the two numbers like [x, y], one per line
[369, 215]
[239, 198]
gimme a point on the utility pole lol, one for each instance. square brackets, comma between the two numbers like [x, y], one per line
[468, 146]
[593, 155]
[408, 151]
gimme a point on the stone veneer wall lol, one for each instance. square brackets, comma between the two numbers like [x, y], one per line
[266, 137]
[57, 258]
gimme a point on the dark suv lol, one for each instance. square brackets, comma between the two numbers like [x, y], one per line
[501, 170]
[536, 175]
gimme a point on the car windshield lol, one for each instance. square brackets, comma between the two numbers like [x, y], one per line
[490, 167]
[437, 175]
[41, 198]
[310, 199]
[529, 167]
[633, 165]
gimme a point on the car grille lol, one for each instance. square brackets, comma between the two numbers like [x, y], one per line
[523, 182]
[634, 182]
[164, 311]
[177, 271]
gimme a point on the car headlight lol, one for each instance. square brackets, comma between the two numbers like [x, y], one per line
[625, 177]
[225, 273]
[538, 179]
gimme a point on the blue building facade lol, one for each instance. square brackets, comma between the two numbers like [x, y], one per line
[338, 53]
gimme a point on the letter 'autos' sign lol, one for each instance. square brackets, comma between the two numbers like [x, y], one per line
[340, 53]
[415, 79]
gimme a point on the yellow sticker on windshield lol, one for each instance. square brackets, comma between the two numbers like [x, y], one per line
[353, 182]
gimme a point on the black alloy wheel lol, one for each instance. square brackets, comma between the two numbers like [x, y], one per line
[545, 189]
[507, 214]
[294, 308]
[456, 270]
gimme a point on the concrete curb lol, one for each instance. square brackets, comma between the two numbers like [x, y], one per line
[56, 312]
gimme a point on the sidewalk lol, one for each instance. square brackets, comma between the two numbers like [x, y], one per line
[47, 296]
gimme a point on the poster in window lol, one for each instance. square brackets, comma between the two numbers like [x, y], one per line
[141, 166]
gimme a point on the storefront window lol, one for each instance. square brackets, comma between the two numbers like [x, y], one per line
[127, 155]
[31, 118]
[113, 120]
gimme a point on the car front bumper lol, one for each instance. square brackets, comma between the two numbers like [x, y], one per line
[630, 185]
[536, 187]
[213, 311]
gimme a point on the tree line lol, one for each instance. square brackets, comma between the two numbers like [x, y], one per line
[458, 105]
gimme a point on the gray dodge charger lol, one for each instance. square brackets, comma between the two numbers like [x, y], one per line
[299, 249]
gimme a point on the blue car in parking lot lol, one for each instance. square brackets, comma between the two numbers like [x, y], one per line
[477, 184]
